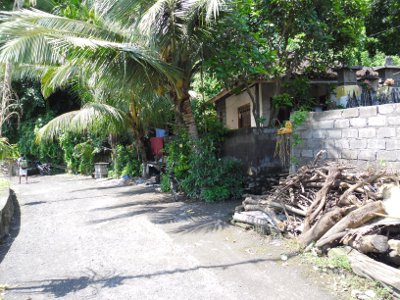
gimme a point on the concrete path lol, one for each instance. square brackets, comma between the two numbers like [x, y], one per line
[85, 239]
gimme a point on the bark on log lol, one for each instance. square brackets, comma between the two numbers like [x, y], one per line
[278, 224]
[320, 198]
[251, 219]
[268, 203]
[373, 243]
[354, 219]
[322, 226]
[367, 267]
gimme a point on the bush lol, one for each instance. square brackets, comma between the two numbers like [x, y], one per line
[126, 161]
[208, 177]
[45, 151]
[67, 142]
[84, 153]
[164, 182]
[178, 151]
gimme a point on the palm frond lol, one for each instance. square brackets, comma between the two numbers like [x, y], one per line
[93, 117]
[77, 45]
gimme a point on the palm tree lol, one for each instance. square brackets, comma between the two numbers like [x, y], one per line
[178, 29]
[112, 115]
[109, 54]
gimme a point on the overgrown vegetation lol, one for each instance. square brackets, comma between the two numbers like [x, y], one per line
[199, 171]
[126, 162]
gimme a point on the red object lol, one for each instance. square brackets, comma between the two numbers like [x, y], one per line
[157, 145]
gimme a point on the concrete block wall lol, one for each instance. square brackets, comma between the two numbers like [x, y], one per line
[364, 136]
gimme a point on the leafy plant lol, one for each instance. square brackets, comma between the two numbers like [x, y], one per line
[46, 151]
[164, 183]
[84, 153]
[126, 161]
[282, 100]
[298, 118]
[209, 177]
[178, 151]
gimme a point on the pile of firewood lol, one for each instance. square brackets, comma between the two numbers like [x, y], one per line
[331, 204]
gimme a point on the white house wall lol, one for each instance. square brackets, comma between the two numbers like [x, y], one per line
[267, 91]
[232, 104]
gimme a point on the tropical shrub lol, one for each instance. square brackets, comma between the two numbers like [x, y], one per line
[164, 183]
[46, 151]
[200, 173]
[211, 178]
[178, 151]
[84, 153]
[126, 162]
[67, 142]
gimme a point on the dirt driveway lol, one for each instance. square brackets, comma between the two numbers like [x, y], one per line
[79, 238]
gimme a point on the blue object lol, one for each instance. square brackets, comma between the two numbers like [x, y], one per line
[160, 132]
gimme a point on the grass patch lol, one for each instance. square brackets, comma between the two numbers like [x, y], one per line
[335, 260]
[342, 279]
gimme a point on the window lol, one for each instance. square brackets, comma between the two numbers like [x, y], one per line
[244, 116]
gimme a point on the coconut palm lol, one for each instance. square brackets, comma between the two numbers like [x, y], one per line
[178, 29]
[109, 51]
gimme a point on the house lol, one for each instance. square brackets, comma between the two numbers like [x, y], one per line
[235, 107]
[336, 87]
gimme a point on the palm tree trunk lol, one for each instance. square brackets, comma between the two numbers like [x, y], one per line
[5, 96]
[187, 115]
[6, 87]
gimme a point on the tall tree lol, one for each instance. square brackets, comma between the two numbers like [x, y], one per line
[276, 39]
[8, 100]
[383, 27]
[108, 49]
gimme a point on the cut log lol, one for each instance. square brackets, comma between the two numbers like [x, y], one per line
[278, 224]
[322, 226]
[259, 200]
[252, 219]
[373, 243]
[364, 266]
[320, 198]
[354, 219]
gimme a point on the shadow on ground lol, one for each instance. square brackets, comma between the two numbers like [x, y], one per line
[61, 287]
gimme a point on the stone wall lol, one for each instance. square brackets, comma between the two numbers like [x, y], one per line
[6, 212]
[365, 136]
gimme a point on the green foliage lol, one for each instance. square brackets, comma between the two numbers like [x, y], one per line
[7, 150]
[206, 85]
[282, 100]
[298, 118]
[299, 90]
[46, 151]
[199, 171]
[207, 121]
[209, 177]
[164, 183]
[67, 142]
[178, 151]
[377, 60]
[80, 151]
[256, 41]
[84, 154]
[126, 162]
[383, 27]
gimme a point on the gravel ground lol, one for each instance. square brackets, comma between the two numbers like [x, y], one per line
[79, 238]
